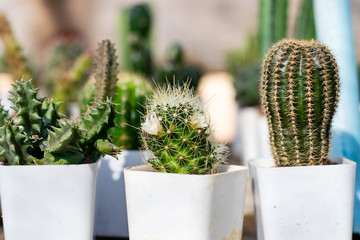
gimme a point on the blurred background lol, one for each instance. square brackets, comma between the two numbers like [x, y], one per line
[219, 44]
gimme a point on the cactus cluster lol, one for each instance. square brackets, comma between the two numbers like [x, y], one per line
[299, 95]
[14, 58]
[39, 134]
[174, 70]
[128, 91]
[136, 22]
[177, 131]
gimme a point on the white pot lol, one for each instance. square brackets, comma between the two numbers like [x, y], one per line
[110, 207]
[251, 139]
[48, 202]
[179, 206]
[297, 203]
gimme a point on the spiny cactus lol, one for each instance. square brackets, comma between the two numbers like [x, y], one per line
[176, 130]
[130, 97]
[14, 57]
[128, 93]
[106, 70]
[41, 135]
[135, 24]
[299, 95]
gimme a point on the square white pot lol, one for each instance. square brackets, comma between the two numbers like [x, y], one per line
[308, 202]
[179, 206]
[110, 205]
[48, 201]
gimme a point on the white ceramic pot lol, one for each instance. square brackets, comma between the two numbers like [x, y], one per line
[297, 203]
[110, 207]
[192, 207]
[48, 202]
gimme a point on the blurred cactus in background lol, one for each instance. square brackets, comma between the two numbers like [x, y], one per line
[305, 24]
[299, 95]
[14, 60]
[135, 39]
[67, 70]
[176, 129]
[175, 71]
[128, 91]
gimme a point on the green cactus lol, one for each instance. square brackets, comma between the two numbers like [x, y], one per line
[128, 91]
[135, 25]
[130, 95]
[175, 71]
[177, 131]
[14, 58]
[41, 135]
[272, 22]
[299, 95]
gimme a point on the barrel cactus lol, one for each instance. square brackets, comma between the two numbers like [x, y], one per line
[176, 129]
[299, 95]
[39, 134]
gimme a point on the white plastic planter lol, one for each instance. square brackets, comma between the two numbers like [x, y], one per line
[192, 207]
[48, 202]
[110, 207]
[297, 203]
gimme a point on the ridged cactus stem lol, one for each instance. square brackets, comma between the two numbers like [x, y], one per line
[106, 71]
[299, 95]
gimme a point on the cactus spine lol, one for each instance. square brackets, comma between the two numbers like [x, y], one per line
[299, 95]
[176, 130]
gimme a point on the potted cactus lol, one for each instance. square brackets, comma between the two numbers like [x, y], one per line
[301, 193]
[49, 166]
[128, 91]
[184, 192]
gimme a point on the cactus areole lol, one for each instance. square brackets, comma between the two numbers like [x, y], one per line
[299, 95]
[177, 131]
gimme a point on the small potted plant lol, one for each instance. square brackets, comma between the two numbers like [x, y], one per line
[301, 193]
[184, 192]
[49, 166]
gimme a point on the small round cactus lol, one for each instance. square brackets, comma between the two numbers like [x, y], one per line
[299, 95]
[177, 131]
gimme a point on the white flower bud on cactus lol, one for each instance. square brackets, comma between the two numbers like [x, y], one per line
[152, 125]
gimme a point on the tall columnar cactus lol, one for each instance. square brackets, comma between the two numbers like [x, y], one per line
[135, 24]
[130, 95]
[14, 57]
[176, 129]
[41, 135]
[299, 95]
[106, 71]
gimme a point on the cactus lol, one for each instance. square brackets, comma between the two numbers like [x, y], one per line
[41, 135]
[128, 91]
[176, 130]
[14, 57]
[305, 24]
[130, 97]
[299, 95]
[135, 25]
[175, 71]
